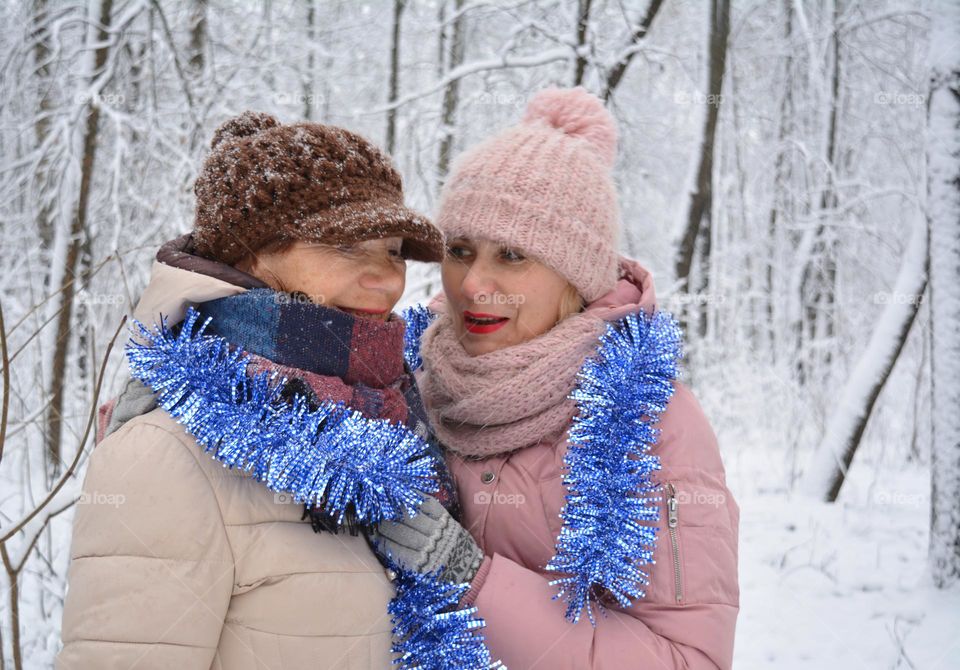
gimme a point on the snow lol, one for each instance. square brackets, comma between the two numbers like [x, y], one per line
[842, 585]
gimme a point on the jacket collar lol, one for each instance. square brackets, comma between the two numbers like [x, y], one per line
[634, 291]
[179, 278]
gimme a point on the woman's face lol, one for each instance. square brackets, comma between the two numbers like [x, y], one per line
[498, 297]
[365, 278]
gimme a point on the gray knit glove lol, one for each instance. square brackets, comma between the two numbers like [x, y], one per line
[135, 399]
[430, 539]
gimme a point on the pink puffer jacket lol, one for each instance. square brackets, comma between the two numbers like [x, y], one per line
[512, 504]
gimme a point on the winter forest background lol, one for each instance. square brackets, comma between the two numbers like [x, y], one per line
[789, 170]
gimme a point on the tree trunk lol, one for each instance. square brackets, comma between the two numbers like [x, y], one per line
[943, 171]
[615, 75]
[819, 274]
[198, 35]
[14, 603]
[41, 54]
[451, 94]
[308, 76]
[77, 232]
[398, 7]
[780, 201]
[583, 22]
[696, 233]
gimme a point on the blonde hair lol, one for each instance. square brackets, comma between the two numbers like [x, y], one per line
[570, 303]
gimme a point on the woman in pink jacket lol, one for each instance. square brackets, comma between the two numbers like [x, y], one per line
[584, 468]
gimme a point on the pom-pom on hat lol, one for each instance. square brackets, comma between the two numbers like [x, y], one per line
[264, 183]
[545, 187]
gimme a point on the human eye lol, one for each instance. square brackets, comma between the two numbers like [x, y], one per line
[396, 257]
[511, 255]
[349, 249]
[458, 250]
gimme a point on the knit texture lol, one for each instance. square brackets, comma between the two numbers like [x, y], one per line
[545, 186]
[266, 183]
[506, 399]
[327, 354]
[427, 541]
[340, 357]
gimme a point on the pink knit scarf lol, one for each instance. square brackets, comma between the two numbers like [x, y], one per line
[506, 399]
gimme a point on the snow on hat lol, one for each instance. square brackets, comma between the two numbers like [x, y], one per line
[264, 182]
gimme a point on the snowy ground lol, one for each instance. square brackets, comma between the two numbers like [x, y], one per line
[843, 585]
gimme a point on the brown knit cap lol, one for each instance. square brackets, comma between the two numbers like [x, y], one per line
[266, 183]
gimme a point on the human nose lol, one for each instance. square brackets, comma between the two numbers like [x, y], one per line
[384, 274]
[479, 283]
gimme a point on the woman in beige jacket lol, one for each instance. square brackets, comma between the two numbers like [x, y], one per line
[297, 258]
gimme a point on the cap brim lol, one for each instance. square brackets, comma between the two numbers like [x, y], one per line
[371, 220]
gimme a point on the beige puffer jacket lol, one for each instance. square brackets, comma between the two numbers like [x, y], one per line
[178, 562]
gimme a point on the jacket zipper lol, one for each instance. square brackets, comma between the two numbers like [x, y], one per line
[673, 519]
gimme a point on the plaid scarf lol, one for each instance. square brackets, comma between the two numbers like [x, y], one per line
[327, 354]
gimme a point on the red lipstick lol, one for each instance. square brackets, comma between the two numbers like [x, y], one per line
[481, 324]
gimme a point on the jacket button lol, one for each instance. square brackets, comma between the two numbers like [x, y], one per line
[487, 477]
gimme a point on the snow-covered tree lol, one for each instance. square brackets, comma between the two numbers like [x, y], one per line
[943, 143]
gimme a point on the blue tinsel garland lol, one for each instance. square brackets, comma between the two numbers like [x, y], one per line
[417, 318]
[430, 633]
[330, 454]
[620, 394]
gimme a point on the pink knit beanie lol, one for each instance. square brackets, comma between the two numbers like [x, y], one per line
[545, 187]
